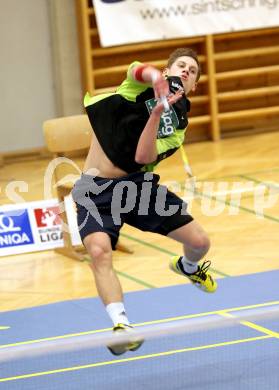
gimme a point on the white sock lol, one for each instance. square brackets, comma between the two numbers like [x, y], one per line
[117, 313]
[189, 266]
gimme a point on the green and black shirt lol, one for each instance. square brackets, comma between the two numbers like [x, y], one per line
[119, 118]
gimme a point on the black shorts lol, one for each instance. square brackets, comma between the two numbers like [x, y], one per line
[104, 205]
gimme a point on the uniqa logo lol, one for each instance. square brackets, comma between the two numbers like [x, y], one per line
[7, 224]
[10, 234]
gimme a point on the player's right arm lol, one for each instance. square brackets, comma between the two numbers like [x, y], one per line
[148, 74]
[146, 151]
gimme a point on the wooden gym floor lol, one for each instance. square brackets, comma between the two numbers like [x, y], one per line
[236, 203]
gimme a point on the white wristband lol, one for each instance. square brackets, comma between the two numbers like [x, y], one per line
[165, 103]
[154, 76]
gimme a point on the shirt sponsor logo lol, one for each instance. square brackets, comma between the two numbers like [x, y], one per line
[168, 120]
[176, 86]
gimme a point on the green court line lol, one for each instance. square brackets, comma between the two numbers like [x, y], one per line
[276, 169]
[242, 176]
[139, 281]
[269, 185]
[162, 250]
[158, 248]
[145, 243]
[247, 196]
[127, 276]
[203, 195]
[246, 173]
[155, 247]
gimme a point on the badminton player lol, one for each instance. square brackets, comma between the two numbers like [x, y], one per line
[135, 128]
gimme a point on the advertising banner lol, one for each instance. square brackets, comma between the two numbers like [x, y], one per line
[129, 21]
[29, 227]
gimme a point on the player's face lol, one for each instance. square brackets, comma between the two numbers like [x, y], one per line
[187, 69]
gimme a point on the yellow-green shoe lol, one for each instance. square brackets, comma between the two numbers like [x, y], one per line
[131, 345]
[201, 278]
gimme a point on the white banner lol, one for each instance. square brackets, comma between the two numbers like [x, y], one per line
[30, 227]
[35, 226]
[129, 21]
[71, 213]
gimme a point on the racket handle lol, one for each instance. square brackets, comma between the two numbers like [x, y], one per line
[165, 103]
[188, 170]
[154, 78]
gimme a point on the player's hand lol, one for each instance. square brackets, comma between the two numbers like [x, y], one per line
[160, 85]
[171, 99]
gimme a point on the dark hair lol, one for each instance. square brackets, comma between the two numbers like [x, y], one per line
[184, 52]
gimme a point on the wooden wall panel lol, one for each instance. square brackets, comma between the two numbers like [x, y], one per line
[239, 87]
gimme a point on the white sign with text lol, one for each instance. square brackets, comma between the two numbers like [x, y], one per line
[129, 21]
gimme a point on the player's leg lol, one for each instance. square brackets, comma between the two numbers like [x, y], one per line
[98, 246]
[99, 235]
[195, 244]
[181, 227]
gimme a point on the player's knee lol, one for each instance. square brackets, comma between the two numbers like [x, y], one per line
[98, 252]
[200, 243]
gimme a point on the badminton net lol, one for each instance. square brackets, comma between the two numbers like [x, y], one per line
[176, 354]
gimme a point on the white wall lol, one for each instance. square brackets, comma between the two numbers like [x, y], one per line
[65, 53]
[26, 80]
[37, 80]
